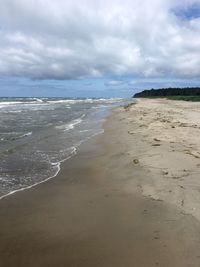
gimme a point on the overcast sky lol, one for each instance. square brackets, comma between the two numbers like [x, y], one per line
[96, 47]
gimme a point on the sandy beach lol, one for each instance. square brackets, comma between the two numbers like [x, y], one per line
[129, 198]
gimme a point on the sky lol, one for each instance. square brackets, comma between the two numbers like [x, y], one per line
[97, 47]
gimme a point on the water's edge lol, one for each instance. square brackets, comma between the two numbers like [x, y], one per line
[105, 112]
[59, 166]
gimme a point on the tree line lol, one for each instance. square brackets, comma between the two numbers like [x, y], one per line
[165, 92]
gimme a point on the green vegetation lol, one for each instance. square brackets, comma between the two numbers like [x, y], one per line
[186, 94]
[193, 98]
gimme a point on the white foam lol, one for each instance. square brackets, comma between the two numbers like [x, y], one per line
[57, 164]
[68, 101]
[9, 103]
[70, 126]
[87, 100]
[83, 131]
[38, 100]
[65, 127]
[26, 134]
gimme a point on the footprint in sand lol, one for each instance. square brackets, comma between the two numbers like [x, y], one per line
[156, 139]
[143, 125]
[165, 172]
[136, 161]
[156, 232]
[156, 144]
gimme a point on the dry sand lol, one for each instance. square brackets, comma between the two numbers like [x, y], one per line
[166, 143]
[130, 197]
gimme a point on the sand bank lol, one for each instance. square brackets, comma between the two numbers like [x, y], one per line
[116, 203]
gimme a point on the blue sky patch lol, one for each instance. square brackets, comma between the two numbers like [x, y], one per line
[188, 12]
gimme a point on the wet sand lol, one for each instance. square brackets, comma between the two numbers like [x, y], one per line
[106, 206]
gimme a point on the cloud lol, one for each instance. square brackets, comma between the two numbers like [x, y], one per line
[114, 83]
[48, 39]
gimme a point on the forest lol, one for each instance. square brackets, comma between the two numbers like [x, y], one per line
[187, 93]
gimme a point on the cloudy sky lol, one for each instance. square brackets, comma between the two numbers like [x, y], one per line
[97, 47]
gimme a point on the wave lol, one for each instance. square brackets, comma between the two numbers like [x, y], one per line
[41, 102]
[12, 136]
[38, 100]
[86, 100]
[54, 157]
[56, 164]
[26, 134]
[9, 103]
[84, 131]
[70, 126]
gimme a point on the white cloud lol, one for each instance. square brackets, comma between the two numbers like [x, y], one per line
[115, 83]
[74, 39]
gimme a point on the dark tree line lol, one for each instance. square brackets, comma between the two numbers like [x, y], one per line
[187, 91]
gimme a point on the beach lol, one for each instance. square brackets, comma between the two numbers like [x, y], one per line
[129, 197]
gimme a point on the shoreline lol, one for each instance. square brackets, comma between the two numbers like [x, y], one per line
[57, 163]
[36, 160]
[97, 211]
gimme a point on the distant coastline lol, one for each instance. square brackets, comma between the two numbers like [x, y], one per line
[187, 93]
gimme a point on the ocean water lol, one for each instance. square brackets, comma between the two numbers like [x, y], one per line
[37, 134]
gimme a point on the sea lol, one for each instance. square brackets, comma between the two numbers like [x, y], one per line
[37, 134]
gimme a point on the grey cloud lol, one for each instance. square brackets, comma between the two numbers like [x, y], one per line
[60, 39]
